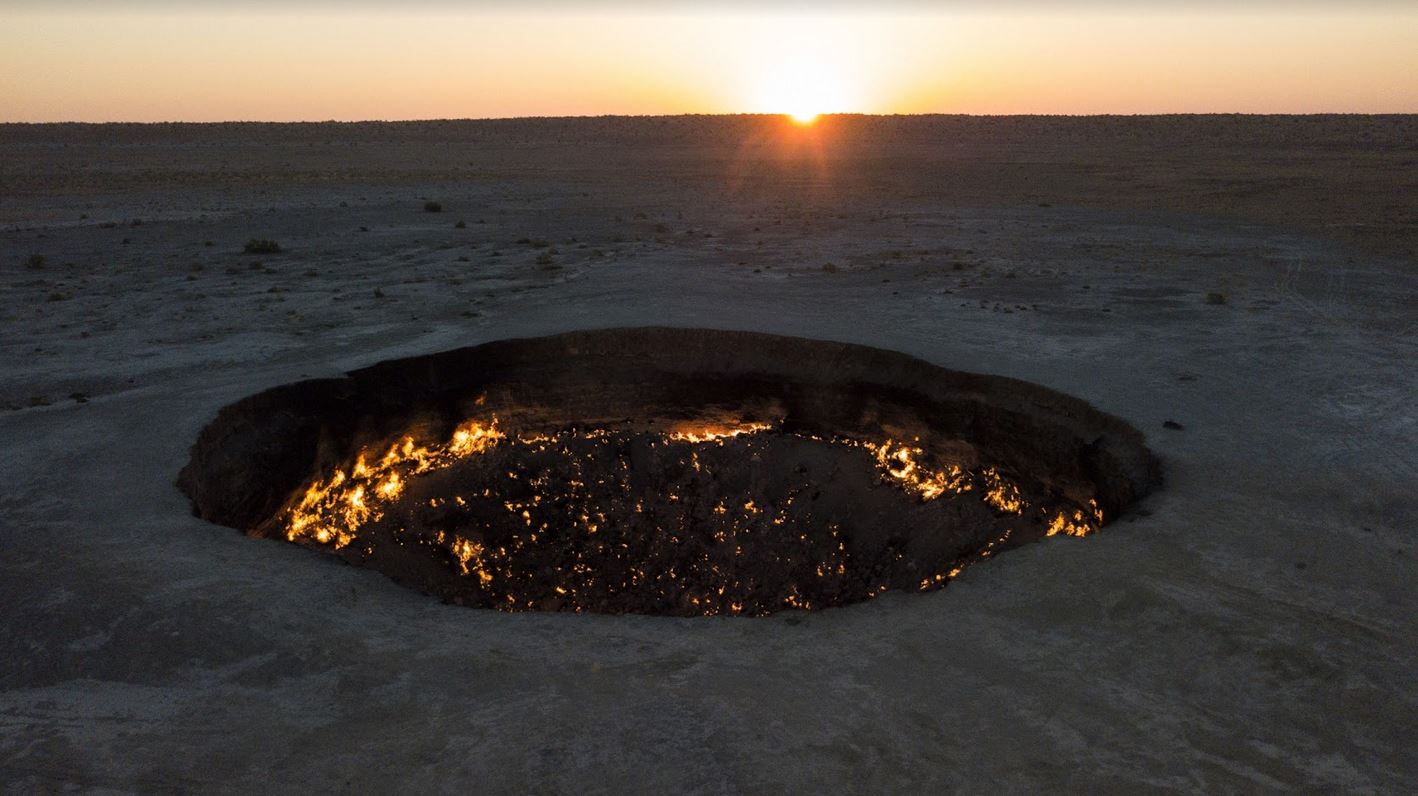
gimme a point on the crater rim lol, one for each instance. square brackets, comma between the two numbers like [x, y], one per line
[261, 454]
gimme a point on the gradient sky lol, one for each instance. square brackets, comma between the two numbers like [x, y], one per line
[209, 61]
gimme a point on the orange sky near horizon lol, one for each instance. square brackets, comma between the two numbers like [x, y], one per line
[215, 62]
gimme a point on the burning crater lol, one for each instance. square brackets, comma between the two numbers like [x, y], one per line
[664, 471]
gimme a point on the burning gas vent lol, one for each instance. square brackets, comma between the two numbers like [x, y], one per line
[664, 471]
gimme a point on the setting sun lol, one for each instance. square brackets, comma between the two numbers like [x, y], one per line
[804, 87]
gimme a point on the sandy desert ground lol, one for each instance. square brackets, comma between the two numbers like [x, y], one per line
[1253, 627]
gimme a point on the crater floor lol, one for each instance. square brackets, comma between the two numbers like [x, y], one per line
[631, 523]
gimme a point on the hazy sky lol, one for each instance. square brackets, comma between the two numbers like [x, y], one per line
[205, 61]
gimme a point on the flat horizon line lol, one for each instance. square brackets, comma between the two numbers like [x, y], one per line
[649, 116]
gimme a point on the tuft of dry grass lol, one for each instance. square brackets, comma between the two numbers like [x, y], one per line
[261, 246]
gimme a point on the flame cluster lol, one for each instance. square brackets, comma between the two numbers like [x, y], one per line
[900, 463]
[333, 510]
[698, 433]
[1079, 522]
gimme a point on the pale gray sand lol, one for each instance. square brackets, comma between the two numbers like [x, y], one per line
[1255, 631]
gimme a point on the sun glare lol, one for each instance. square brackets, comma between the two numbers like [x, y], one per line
[804, 88]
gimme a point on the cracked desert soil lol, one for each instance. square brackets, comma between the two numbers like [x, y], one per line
[1251, 628]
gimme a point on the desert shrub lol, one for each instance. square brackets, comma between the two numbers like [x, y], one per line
[432, 207]
[1216, 298]
[35, 261]
[461, 225]
[261, 246]
[544, 259]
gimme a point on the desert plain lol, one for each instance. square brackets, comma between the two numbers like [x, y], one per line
[1250, 282]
